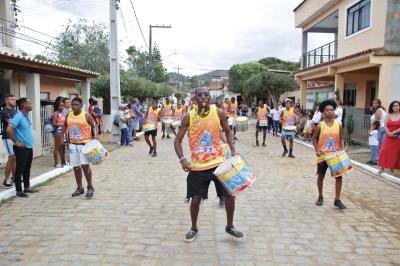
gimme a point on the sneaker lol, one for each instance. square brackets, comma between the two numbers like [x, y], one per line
[191, 235]
[234, 232]
[89, 193]
[154, 154]
[264, 145]
[319, 201]
[221, 202]
[78, 192]
[168, 137]
[163, 136]
[31, 190]
[257, 143]
[373, 163]
[369, 162]
[291, 156]
[7, 185]
[235, 138]
[151, 151]
[59, 166]
[338, 204]
[284, 153]
[22, 194]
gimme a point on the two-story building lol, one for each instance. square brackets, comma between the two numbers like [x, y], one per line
[36, 79]
[363, 60]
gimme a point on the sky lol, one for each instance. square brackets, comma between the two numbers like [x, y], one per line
[205, 35]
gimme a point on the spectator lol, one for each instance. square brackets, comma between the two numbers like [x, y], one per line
[123, 125]
[138, 118]
[20, 132]
[316, 118]
[67, 105]
[57, 121]
[389, 155]
[97, 116]
[373, 143]
[379, 115]
[130, 114]
[276, 117]
[339, 112]
[6, 115]
[308, 131]
[67, 109]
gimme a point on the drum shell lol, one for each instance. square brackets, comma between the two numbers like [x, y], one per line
[339, 163]
[148, 127]
[95, 152]
[242, 123]
[227, 151]
[237, 177]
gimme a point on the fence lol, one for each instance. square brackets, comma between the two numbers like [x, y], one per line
[47, 138]
[320, 55]
[361, 124]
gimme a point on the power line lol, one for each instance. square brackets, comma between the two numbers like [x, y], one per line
[26, 36]
[28, 40]
[16, 25]
[123, 20]
[140, 28]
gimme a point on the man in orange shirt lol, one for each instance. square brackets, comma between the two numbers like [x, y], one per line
[204, 128]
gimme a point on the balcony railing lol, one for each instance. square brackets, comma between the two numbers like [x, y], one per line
[323, 54]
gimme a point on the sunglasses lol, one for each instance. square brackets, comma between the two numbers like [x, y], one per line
[201, 94]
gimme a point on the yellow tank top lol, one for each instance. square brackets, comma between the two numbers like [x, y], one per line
[262, 115]
[205, 140]
[167, 111]
[329, 139]
[288, 119]
[178, 114]
[79, 130]
[232, 112]
[152, 116]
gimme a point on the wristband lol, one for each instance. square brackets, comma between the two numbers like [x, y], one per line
[182, 158]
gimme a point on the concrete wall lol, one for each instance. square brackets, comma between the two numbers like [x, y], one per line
[310, 9]
[374, 37]
[360, 80]
[57, 87]
[392, 33]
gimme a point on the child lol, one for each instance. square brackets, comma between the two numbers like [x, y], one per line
[307, 133]
[328, 139]
[373, 142]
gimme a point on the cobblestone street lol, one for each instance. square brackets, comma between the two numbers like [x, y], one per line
[138, 216]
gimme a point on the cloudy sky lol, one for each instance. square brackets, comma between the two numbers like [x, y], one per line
[205, 35]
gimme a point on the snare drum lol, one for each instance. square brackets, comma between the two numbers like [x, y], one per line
[227, 151]
[176, 124]
[339, 163]
[149, 127]
[235, 175]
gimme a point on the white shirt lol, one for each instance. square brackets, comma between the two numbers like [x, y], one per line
[382, 120]
[373, 138]
[339, 114]
[276, 115]
[317, 117]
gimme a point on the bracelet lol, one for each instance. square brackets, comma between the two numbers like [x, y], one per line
[182, 159]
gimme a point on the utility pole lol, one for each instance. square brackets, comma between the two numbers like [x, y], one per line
[177, 82]
[150, 69]
[115, 91]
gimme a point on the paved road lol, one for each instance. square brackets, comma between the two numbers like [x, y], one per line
[138, 216]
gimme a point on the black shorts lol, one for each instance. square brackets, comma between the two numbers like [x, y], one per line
[153, 133]
[199, 181]
[262, 128]
[322, 167]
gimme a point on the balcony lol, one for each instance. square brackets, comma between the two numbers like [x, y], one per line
[322, 54]
[2, 35]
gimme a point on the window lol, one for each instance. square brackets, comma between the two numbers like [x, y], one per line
[358, 17]
[349, 94]
[45, 96]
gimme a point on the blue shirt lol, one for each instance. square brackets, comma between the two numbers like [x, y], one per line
[138, 114]
[22, 129]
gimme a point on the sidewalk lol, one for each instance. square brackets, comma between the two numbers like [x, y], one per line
[43, 169]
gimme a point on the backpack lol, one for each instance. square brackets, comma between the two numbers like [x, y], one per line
[116, 120]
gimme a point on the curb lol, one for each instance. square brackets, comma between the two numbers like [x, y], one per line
[363, 166]
[9, 193]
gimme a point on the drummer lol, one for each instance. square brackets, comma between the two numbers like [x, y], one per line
[327, 140]
[178, 114]
[152, 116]
[204, 124]
[80, 128]
[262, 121]
[288, 120]
[167, 111]
[232, 114]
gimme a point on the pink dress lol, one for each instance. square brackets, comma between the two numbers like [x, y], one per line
[389, 155]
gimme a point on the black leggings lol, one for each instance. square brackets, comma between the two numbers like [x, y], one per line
[23, 166]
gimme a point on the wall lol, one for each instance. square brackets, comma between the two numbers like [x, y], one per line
[361, 84]
[310, 9]
[372, 38]
[392, 33]
[57, 87]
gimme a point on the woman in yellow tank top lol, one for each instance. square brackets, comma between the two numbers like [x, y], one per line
[328, 139]
[203, 125]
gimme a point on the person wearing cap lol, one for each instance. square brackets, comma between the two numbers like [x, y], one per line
[288, 120]
[123, 125]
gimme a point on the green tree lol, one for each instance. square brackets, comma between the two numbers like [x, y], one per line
[41, 57]
[269, 83]
[240, 73]
[83, 45]
[101, 88]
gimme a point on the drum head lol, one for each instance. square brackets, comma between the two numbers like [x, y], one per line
[90, 146]
[227, 165]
